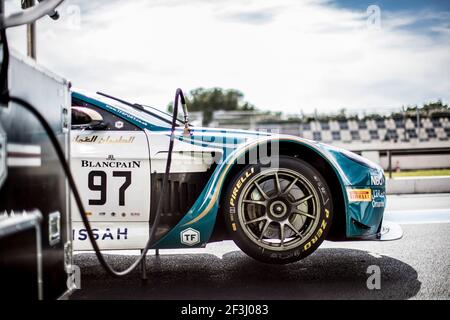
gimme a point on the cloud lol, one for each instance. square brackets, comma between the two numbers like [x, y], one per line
[284, 55]
[255, 17]
[251, 14]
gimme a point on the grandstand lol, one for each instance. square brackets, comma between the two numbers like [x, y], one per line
[367, 131]
[424, 140]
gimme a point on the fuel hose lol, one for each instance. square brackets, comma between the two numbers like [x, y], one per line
[5, 98]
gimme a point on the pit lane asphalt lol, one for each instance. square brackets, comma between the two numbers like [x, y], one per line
[415, 267]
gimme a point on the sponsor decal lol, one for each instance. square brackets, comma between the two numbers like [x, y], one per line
[378, 204]
[110, 164]
[104, 235]
[123, 113]
[239, 184]
[123, 214]
[190, 236]
[377, 178]
[104, 140]
[379, 198]
[359, 195]
[86, 139]
[118, 124]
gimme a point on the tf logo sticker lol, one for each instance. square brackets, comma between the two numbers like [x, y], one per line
[190, 237]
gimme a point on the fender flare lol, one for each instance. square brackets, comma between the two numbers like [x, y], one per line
[214, 187]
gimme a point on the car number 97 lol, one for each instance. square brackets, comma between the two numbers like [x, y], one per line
[102, 185]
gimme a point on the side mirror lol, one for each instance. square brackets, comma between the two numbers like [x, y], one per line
[87, 119]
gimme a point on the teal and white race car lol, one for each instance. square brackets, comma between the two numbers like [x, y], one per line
[277, 196]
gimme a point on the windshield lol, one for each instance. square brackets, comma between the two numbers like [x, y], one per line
[158, 115]
[162, 114]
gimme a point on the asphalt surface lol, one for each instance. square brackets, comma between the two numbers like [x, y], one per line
[414, 267]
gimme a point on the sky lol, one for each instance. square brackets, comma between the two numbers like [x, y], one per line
[284, 55]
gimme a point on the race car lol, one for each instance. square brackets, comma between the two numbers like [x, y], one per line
[278, 197]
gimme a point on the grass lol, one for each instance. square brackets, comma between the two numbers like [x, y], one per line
[421, 173]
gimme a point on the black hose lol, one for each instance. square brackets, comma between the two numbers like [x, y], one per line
[4, 67]
[6, 98]
[178, 96]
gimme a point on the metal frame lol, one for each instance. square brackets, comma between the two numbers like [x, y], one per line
[30, 15]
[16, 224]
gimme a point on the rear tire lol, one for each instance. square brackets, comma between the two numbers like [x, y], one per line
[278, 215]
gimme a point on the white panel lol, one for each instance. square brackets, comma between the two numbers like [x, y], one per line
[112, 152]
[111, 235]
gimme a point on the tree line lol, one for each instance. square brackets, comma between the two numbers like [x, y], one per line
[208, 100]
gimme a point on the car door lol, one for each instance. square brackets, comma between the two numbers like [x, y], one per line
[110, 164]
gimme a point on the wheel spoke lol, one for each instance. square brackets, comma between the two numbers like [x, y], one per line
[256, 220]
[297, 202]
[290, 226]
[304, 214]
[261, 190]
[277, 183]
[262, 203]
[263, 231]
[289, 187]
[282, 235]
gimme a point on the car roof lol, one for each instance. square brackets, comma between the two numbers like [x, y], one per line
[148, 119]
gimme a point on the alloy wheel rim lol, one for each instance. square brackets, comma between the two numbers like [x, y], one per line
[278, 209]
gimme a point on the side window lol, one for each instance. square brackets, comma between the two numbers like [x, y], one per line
[82, 111]
[80, 117]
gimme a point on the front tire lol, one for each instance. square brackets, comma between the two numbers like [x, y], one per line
[278, 214]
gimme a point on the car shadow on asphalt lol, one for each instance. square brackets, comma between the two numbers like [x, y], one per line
[326, 274]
